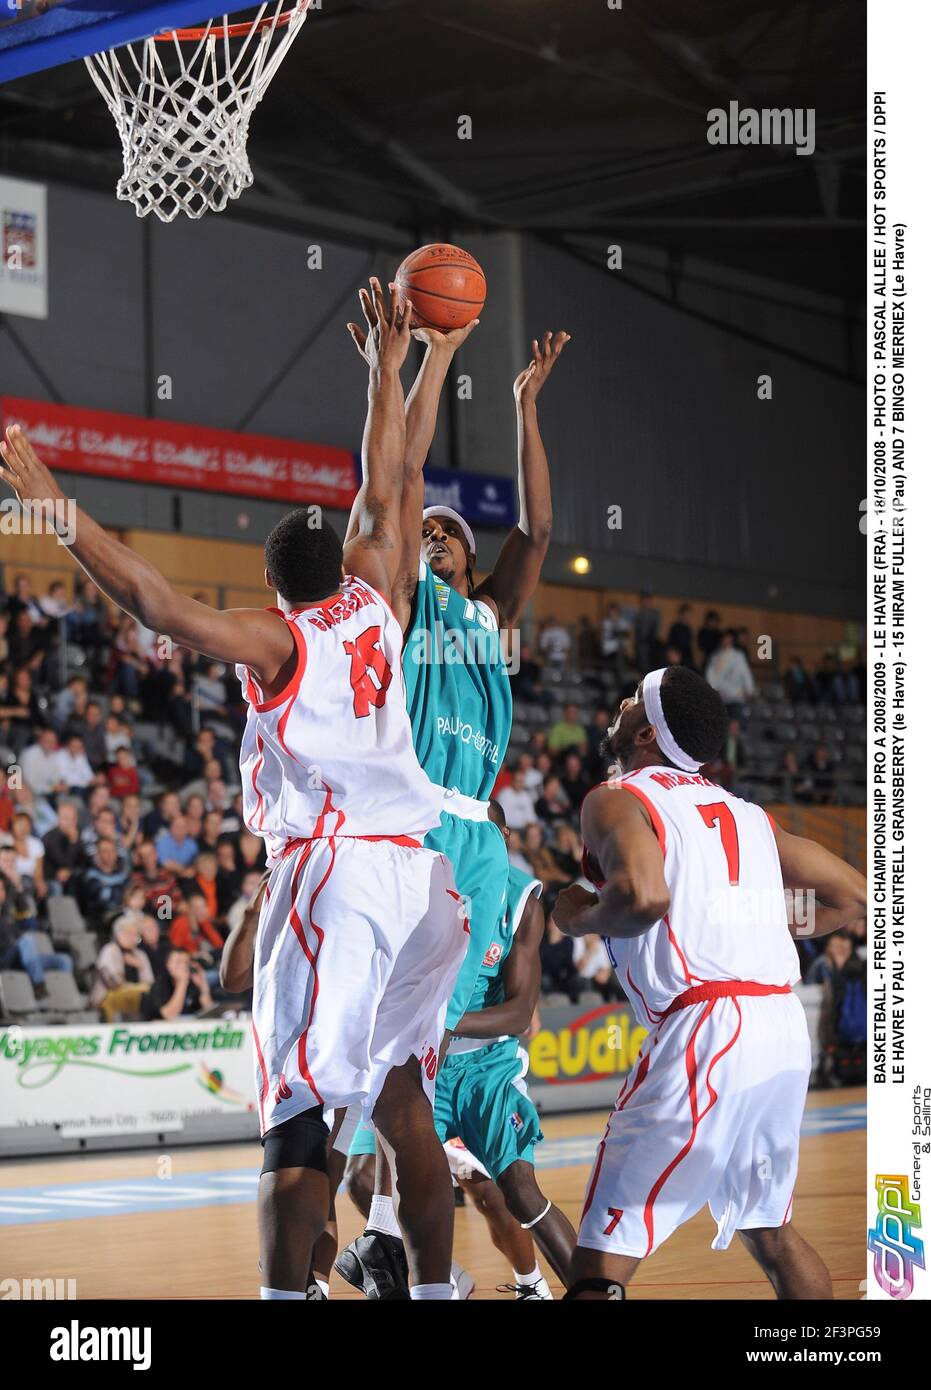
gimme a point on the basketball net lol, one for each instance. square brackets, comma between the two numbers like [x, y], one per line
[182, 103]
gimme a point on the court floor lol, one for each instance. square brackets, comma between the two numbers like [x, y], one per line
[181, 1223]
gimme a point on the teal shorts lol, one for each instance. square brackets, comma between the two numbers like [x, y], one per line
[479, 858]
[481, 1099]
[363, 1142]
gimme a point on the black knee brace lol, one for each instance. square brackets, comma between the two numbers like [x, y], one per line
[297, 1143]
[609, 1286]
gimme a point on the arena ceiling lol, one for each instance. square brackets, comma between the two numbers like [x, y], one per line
[589, 127]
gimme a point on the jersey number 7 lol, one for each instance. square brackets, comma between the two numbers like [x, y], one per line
[719, 814]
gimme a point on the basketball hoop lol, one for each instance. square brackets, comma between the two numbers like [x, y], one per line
[182, 102]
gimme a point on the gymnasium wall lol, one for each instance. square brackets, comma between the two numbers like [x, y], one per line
[655, 410]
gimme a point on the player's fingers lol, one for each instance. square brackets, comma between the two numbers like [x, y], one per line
[560, 341]
[378, 295]
[537, 354]
[368, 309]
[407, 314]
[24, 447]
[358, 336]
[10, 455]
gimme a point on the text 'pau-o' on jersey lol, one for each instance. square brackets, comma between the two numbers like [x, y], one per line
[458, 691]
[332, 754]
[727, 913]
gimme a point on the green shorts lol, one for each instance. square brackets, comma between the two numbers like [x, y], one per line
[481, 1099]
[363, 1141]
[479, 858]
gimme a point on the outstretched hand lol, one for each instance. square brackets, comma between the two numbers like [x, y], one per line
[528, 384]
[24, 471]
[437, 340]
[387, 341]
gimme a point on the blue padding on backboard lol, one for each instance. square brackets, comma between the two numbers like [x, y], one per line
[75, 30]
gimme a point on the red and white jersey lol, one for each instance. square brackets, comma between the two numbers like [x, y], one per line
[727, 913]
[333, 753]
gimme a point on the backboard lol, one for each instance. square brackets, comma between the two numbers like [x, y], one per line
[37, 34]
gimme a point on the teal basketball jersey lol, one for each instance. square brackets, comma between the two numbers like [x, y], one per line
[489, 986]
[458, 692]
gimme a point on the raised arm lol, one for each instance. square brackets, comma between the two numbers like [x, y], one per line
[839, 889]
[373, 545]
[517, 569]
[252, 636]
[421, 409]
[617, 831]
[522, 975]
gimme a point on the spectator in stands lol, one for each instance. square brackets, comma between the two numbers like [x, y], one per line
[559, 974]
[176, 847]
[728, 672]
[842, 1026]
[41, 764]
[218, 794]
[533, 777]
[568, 732]
[798, 685]
[166, 808]
[795, 786]
[517, 802]
[516, 854]
[154, 942]
[122, 777]
[193, 931]
[54, 605]
[30, 855]
[7, 804]
[567, 851]
[646, 631]
[615, 635]
[89, 727]
[831, 684]
[116, 735]
[194, 809]
[180, 988]
[593, 966]
[101, 886]
[821, 771]
[575, 783]
[64, 852]
[554, 643]
[526, 681]
[70, 703]
[4, 641]
[680, 634]
[230, 876]
[21, 946]
[36, 808]
[553, 804]
[74, 771]
[250, 852]
[211, 831]
[157, 882]
[731, 761]
[542, 861]
[709, 636]
[27, 641]
[205, 881]
[86, 623]
[123, 972]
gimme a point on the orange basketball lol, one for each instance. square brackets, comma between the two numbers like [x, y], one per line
[445, 285]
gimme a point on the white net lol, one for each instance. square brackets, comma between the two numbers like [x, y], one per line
[182, 106]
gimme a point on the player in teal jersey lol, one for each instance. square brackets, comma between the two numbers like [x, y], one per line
[458, 694]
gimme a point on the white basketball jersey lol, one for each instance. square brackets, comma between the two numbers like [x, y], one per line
[333, 753]
[727, 913]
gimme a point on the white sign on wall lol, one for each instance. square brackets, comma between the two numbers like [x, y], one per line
[23, 248]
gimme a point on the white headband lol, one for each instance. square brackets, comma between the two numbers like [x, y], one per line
[654, 708]
[449, 512]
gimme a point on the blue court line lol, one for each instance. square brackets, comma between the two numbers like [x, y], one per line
[24, 1206]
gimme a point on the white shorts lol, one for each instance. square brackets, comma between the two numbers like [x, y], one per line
[462, 1162]
[710, 1112]
[358, 947]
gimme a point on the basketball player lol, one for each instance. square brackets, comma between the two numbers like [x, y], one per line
[458, 693]
[359, 942]
[692, 909]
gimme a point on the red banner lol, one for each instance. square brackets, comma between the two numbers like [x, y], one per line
[108, 445]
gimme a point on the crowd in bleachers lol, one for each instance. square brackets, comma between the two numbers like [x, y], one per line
[124, 859]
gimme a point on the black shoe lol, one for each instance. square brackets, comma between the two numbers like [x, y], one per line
[376, 1265]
